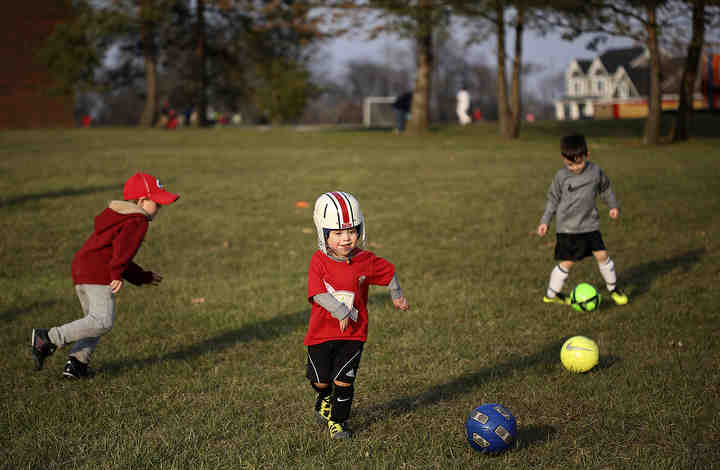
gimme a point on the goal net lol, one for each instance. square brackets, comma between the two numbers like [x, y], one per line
[378, 111]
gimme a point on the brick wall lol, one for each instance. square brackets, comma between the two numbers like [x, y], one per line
[24, 101]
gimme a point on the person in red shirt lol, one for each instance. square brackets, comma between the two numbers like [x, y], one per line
[340, 274]
[98, 270]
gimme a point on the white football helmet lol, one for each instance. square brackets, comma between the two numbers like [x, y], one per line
[337, 210]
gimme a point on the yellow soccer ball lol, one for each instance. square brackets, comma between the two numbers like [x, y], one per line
[579, 354]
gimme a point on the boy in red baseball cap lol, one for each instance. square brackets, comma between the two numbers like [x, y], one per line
[98, 270]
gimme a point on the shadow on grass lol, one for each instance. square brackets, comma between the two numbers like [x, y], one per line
[605, 362]
[59, 193]
[14, 312]
[531, 435]
[639, 278]
[263, 331]
[459, 386]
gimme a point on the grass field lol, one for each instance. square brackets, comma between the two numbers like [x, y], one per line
[185, 384]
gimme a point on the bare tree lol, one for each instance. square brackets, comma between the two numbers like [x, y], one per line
[702, 13]
[416, 20]
[640, 20]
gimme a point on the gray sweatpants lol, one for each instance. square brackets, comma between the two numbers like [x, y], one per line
[98, 304]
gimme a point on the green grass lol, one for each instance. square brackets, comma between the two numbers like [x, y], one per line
[221, 384]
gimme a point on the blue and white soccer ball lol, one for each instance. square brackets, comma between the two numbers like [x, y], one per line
[490, 428]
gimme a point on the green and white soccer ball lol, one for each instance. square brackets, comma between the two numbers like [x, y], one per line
[579, 354]
[585, 298]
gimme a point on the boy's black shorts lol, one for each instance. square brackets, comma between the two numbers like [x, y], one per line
[334, 360]
[576, 246]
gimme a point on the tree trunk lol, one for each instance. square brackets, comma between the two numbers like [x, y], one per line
[516, 88]
[652, 123]
[202, 80]
[503, 108]
[420, 110]
[149, 113]
[687, 89]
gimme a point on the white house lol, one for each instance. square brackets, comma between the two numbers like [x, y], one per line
[615, 75]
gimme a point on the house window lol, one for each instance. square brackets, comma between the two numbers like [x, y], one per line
[623, 90]
[577, 88]
[600, 87]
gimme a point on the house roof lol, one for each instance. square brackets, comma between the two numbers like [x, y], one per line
[614, 58]
[584, 65]
[670, 75]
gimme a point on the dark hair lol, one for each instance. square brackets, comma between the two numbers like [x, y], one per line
[573, 147]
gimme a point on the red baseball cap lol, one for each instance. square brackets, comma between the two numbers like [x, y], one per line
[144, 185]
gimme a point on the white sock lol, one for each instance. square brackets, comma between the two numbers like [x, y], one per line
[557, 281]
[607, 270]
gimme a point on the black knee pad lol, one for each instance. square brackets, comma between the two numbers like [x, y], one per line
[341, 403]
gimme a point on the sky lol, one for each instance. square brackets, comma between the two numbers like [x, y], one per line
[550, 51]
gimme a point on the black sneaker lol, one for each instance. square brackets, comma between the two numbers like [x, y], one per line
[75, 369]
[41, 346]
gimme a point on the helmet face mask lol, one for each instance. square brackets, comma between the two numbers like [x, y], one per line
[337, 210]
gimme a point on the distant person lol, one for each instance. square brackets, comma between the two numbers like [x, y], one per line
[86, 121]
[463, 107]
[571, 200]
[98, 269]
[211, 117]
[173, 120]
[188, 116]
[403, 106]
[164, 114]
[340, 273]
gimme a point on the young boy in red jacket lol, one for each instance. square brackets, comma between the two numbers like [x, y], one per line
[98, 269]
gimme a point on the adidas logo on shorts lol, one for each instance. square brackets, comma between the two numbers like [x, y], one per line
[350, 373]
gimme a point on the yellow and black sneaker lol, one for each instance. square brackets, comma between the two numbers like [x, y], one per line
[559, 298]
[619, 297]
[323, 409]
[338, 430]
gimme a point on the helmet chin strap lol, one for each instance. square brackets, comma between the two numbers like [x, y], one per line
[347, 259]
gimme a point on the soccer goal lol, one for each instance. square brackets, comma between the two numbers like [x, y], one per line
[378, 111]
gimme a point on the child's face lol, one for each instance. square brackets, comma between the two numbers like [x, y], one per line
[149, 206]
[342, 242]
[576, 166]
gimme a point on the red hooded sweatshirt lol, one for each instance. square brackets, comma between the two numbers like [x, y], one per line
[107, 255]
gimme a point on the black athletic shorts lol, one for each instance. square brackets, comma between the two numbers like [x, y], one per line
[576, 246]
[334, 360]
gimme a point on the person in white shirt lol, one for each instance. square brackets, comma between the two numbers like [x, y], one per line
[463, 106]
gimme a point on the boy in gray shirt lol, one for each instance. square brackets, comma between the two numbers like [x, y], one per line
[571, 199]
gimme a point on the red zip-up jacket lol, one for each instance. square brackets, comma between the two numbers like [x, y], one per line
[107, 255]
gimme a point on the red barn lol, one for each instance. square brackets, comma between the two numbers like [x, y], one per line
[24, 101]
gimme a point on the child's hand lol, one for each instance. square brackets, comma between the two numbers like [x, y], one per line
[614, 213]
[344, 323]
[542, 229]
[401, 303]
[116, 285]
[156, 279]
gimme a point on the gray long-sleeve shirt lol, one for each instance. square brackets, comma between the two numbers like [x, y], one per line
[339, 310]
[571, 199]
